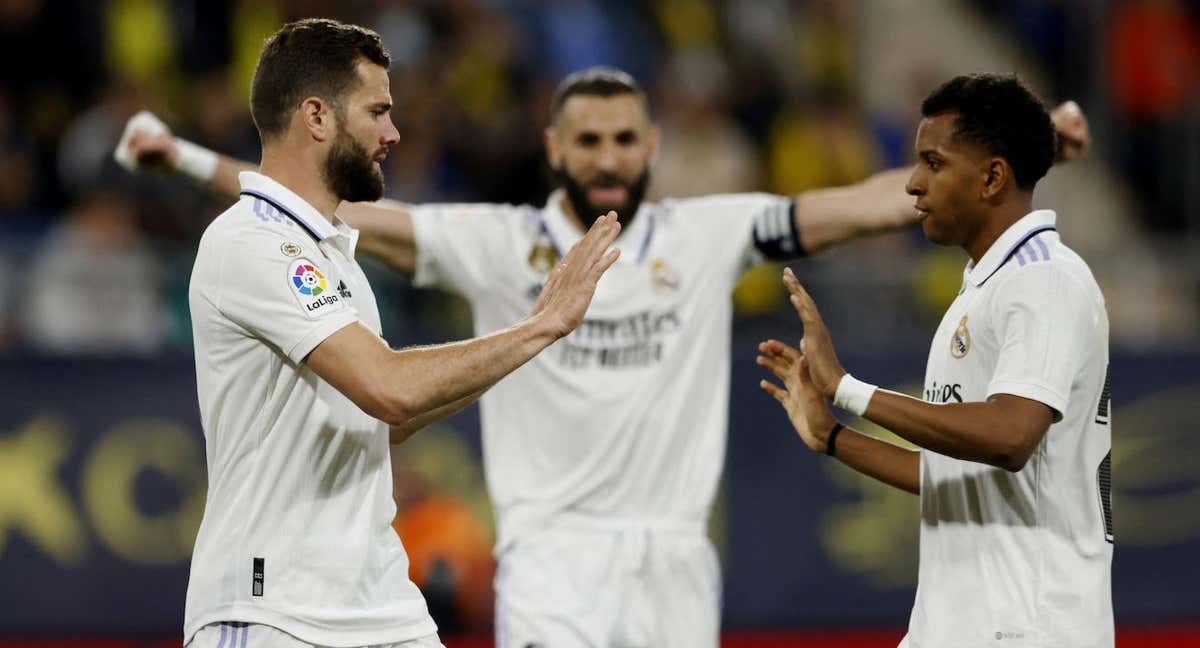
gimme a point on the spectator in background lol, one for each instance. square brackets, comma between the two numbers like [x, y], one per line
[696, 125]
[1154, 74]
[94, 281]
[822, 146]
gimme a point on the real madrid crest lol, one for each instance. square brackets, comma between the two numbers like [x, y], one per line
[542, 257]
[663, 277]
[960, 344]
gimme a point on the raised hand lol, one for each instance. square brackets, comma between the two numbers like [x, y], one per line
[147, 143]
[816, 345]
[1074, 136]
[569, 289]
[805, 406]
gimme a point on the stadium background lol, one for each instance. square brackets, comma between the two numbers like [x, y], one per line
[101, 456]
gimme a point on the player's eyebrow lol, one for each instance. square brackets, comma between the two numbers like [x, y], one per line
[384, 106]
[930, 154]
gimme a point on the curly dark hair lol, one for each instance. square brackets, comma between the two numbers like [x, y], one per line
[307, 58]
[600, 81]
[1000, 113]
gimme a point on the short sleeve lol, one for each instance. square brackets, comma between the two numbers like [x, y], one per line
[1043, 321]
[458, 244]
[291, 302]
[747, 228]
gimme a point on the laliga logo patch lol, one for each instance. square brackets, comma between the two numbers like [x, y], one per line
[960, 344]
[311, 289]
[307, 279]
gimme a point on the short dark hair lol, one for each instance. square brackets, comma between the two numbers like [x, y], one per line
[1000, 113]
[306, 58]
[600, 81]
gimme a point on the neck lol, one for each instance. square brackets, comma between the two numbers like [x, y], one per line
[567, 208]
[999, 219]
[300, 171]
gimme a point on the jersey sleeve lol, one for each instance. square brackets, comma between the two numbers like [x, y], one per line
[291, 302]
[748, 228]
[1044, 320]
[457, 245]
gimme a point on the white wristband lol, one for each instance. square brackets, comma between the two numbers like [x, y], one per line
[195, 161]
[853, 395]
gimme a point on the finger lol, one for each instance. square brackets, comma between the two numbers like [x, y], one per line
[805, 307]
[803, 374]
[778, 368]
[770, 387]
[606, 262]
[600, 236]
[777, 348]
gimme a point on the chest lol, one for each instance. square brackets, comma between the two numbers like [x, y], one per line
[964, 351]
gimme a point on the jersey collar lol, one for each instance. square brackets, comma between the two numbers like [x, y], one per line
[291, 205]
[1030, 225]
[563, 233]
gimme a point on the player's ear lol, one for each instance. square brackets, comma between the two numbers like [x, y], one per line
[653, 136]
[553, 150]
[318, 118]
[996, 175]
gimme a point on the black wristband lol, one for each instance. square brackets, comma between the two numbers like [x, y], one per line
[831, 442]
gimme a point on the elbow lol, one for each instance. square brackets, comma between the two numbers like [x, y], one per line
[393, 409]
[1013, 457]
[1012, 464]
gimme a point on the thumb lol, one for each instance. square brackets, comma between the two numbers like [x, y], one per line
[802, 373]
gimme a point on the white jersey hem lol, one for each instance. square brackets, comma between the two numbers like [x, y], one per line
[320, 635]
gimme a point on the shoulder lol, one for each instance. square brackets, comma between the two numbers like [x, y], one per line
[476, 211]
[468, 218]
[245, 237]
[726, 204]
[1045, 271]
[252, 220]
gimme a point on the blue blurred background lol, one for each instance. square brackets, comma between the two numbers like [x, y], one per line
[101, 456]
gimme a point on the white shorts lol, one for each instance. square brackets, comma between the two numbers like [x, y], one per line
[232, 634]
[630, 587]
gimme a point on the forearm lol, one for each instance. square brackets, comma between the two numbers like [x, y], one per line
[969, 431]
[224, 181]
[887, 462]
[385, 232]
[400, 433]
[827, 217]
[426, 379]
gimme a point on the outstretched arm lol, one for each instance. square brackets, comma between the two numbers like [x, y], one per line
[411, 388]
[827, 217]
[385, 227]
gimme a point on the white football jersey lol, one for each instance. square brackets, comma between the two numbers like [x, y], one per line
[1021, 559]
[626, 417]
[297, 528]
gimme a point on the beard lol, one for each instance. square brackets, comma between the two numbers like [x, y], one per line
[587, 212]
[349, 171]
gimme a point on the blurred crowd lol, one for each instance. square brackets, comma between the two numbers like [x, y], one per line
[750, 96]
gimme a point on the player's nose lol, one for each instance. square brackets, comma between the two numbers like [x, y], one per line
[914, 186]
[390, 135]
[606, 159]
